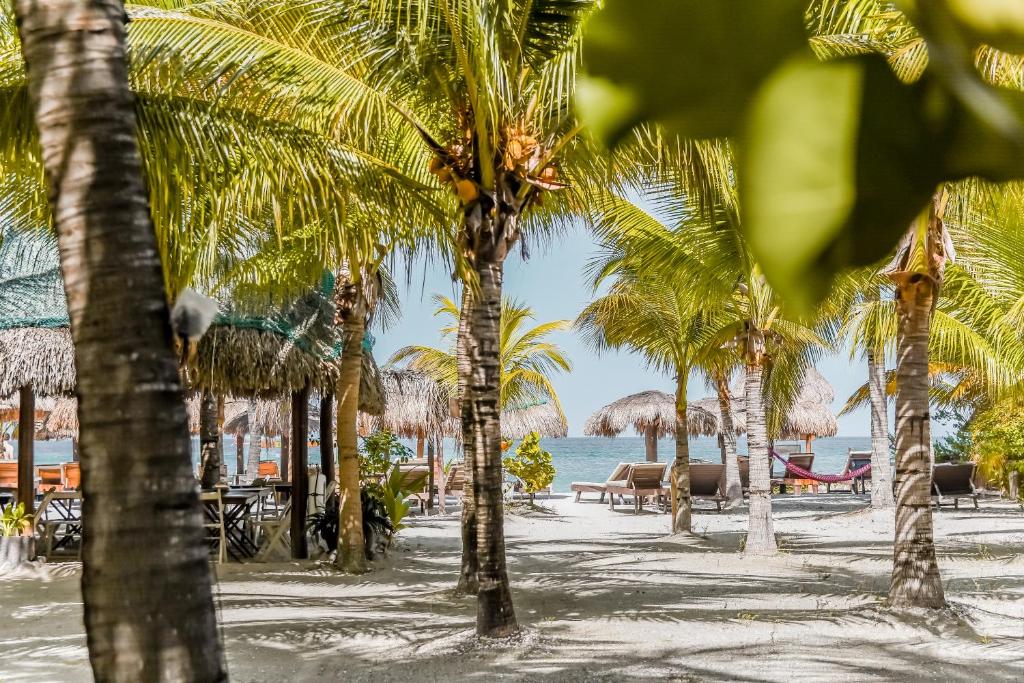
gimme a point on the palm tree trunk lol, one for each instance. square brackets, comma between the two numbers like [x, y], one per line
[209, 441]
[286, 439]
[351, 544]
[327, 436]
[146, 584]
[468, 583]
[760, 530]
[252, 467]
[915, 574]
[239, 456]
[682, 504]
[881, 471]
[481, 418]
[733, 483]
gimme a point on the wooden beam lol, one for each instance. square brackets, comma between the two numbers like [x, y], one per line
[651, 444]
[300, 471]
[26, 449]
[327, 454]
[239, 456]
[286, 438]
[430, 475]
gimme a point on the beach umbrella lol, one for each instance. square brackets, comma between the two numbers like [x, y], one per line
[544, 418]
[651, 414]
[415, 407]
[811, 414]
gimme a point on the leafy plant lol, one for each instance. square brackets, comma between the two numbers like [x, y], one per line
[14, 521]
[379, 452]
[392, 495]
[377, 528]
[998, 437]
[954, 447]
[532, 464]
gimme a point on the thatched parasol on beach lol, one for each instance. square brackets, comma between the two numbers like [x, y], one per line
[544, 418]
[415, 407]
[651, 414]
[739, 413]
[811, 414]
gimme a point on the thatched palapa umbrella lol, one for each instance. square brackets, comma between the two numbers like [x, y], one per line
[651, 414]
[544, 418]
[811, 414]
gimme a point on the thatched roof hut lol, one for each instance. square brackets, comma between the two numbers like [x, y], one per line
[651, 414]
[544, 418]
[415, 407]
[811, 414]
[739, 413]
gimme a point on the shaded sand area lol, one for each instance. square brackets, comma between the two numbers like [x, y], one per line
[602, 596]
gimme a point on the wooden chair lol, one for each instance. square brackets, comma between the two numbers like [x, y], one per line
[59, 514]
[268, 469]
[643, 480]
[953, 480]
[275, 534]
[71, 476]
[48, 478]
[214, 527]
[707, 482]
[618, 475]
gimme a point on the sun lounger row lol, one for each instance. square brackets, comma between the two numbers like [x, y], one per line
[645, 480]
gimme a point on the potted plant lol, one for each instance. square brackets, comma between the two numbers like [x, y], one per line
[17, 544]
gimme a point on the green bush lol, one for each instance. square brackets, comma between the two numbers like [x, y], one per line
[379, 452]
[532, 464]
[998, 440]
[14, 521]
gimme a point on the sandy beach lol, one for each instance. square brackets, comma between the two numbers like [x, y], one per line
[601, 596]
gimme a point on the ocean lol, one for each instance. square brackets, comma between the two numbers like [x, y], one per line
[575, 459]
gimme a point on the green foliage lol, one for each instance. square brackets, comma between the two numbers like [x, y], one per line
[393, 496]
[835, 158]
[998, 437]
[14, 521]
[954, 447]
[379, 452]
[532, 464]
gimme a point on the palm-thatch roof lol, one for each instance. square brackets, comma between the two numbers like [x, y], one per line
[35, 339]
[62, 421]
[739, 413]
[415, 406]
[649, 410]
[811, 413]
[544, 418]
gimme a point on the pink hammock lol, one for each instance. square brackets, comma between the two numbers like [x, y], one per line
[823, 478]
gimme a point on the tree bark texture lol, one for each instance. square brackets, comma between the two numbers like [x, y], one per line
[300, 472]
[252, 467]
[915, 575]
[468, 583]
[881, 470]
[760, 529]
[682, 504]
[239, 456]
[327, 454]
[146, 584]
[733, 483]
[351, 546]
[481, 416]
[210, 452]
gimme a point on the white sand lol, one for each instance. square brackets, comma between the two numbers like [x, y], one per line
[601, 596]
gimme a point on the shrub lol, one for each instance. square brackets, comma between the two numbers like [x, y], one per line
[532, 464]
[14, 521]
[998, 436]
[379, 452]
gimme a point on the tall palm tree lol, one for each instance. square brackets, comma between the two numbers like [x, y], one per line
[528, 359]
[128, 385]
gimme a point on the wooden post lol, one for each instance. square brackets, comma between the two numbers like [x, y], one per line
[286, 428]
[239, 456]
[419, 447]
[808, 440]
[430, 475]
[651, 444]
[327, 454]
[439, 466]
[26, 449]
[74, 449]
[721, 445]
[300, 471]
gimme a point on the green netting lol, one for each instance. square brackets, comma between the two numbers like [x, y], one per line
[31, 289]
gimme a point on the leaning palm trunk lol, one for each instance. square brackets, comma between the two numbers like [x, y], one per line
[760, 531]
[733, 483]
[881, 471]
[146, 587]
[210, 450]
[915, 574]
[682, 504]
[252, 466]
[481, 419]
[468, 584]
[351, 546]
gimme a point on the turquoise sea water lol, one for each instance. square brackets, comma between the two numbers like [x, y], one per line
[575, 459]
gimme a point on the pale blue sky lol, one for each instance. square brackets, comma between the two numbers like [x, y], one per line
[552, 282]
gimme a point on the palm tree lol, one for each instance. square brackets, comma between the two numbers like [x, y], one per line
[528, 360]
[128, 385]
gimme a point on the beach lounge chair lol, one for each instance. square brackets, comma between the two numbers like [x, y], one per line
[268, 469]
[414, 482]
[455, 482]
[71, 476]
[743, 462]
[854, 461]
[707, 482]
[953, 480]
[618, 475]
[642, 481]
[48, 478]
[9, 474]
[787, 479]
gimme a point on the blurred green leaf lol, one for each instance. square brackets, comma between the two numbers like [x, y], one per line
[692, 65]
[999, 23]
